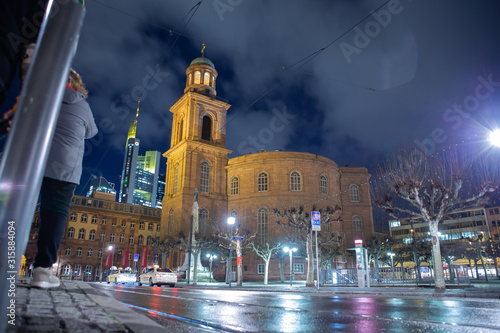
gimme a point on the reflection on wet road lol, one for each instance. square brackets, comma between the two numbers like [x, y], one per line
[257, 311]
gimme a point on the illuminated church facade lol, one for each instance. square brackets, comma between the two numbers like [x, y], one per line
[251, 187]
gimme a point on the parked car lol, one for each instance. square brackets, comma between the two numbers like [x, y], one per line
[122, 276]
[158, 276]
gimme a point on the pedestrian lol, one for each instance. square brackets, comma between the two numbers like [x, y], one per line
[62, 175]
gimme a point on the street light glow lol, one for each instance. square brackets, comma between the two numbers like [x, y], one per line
[110, 248]
[495, 137]
[231, 220]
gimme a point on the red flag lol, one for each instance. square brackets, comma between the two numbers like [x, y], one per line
[125, 258]
[144, 257]
[109, 259]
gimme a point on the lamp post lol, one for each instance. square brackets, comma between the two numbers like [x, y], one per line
[211, 257]
[390, 254]
[452, 274]
[110, 248]
[230, 220]
[290, 251]
[415, 256]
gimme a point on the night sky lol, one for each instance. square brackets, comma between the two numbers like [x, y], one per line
[344, 84]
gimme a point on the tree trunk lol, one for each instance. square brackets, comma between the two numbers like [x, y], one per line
[496, 265]
[436, 252]
[477, 269]
[310, 261]
[266, 271]
[239, 266]
[482, 264]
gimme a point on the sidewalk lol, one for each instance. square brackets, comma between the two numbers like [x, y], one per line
[76, 306]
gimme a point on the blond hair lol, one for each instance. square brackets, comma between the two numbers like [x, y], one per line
[76, 82]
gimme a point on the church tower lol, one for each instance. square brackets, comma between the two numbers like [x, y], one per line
[197, 157]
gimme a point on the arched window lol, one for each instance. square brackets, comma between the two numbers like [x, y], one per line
[206, 129]
[88, 271]
[81, 234]
[65, 270]
[206, 78]
[176, 177]
[233, 213]
[92, 235]
[171, 221]
[150, 226]
[89, 253]
[357, 227]
[203, 221]
[262, 225]
[323, 184]
[197, 77]
[140, 239]
[67, 252]
[83, 218]
[71, 232]
[295, 181]
[262, 182]
[354, 193]
[234, 186]
[205, 174]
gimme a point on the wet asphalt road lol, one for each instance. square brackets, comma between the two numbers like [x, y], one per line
[222, 310]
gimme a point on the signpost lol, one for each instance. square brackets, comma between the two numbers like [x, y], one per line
[316, 226]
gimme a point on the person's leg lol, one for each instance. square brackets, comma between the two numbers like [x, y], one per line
[54, 209]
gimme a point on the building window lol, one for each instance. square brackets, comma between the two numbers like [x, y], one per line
[150, 226]
[150, 240]
[205, 174]
[112, 237]
[140, 239]
[131, 239]
[323, 184]
[122, 238]
[72, 217]
[113, 222]
[141, 225]
[176, 177]
[132, 225]
[92, 235]
[103, 236]
[83, 218]
[262, 225]
[261, 268]
[234, 186]
[78, 252]
[71, 232]
[104, 220]
[99, 254]
[354, 193]
[94, 220]
[206, 129]
[206, 78]
[203, 220]
[295, 181]
[171, 221]
[89, 253]
[197, 77]
[67, 252]
[262, 182]
[124, 223]
[81, 234]
[357, 227]
[233, 213]
[298, 268]
[158, 227]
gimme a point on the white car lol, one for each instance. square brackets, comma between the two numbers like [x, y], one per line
[120, 276]
[158, 276]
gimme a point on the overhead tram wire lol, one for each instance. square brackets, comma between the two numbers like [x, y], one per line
[195, 8]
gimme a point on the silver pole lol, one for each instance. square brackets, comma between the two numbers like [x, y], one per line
[27, 147]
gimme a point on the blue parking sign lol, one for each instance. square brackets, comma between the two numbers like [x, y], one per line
[316, 221]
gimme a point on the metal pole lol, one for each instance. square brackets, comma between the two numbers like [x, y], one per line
[317, 258]
[210, 268]
[189, 250]
[290, 253]
[415, 256]
[230, 256]
[25, 154]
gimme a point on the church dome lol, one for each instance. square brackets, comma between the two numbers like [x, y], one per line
[202, 60]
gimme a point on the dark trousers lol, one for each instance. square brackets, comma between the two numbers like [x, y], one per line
[54, 209]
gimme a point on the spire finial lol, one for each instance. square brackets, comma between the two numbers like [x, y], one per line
[137, 114]
[203, 51]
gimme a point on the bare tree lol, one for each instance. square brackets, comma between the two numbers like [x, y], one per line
[265, 251]
[430, 188]
[297, 217]
[165, 243]
[330, 244]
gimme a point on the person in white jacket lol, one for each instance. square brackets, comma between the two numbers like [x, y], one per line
[62, 175]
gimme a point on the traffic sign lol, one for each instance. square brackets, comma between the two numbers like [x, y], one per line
[237, 238]
[316, 221]
[136, 257]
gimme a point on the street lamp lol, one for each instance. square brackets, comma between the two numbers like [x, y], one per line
[230, 220]
[290, 250]
[390, 254]
[495, 137]
[211, 257]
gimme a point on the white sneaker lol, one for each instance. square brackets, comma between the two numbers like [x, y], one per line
[43, 278]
